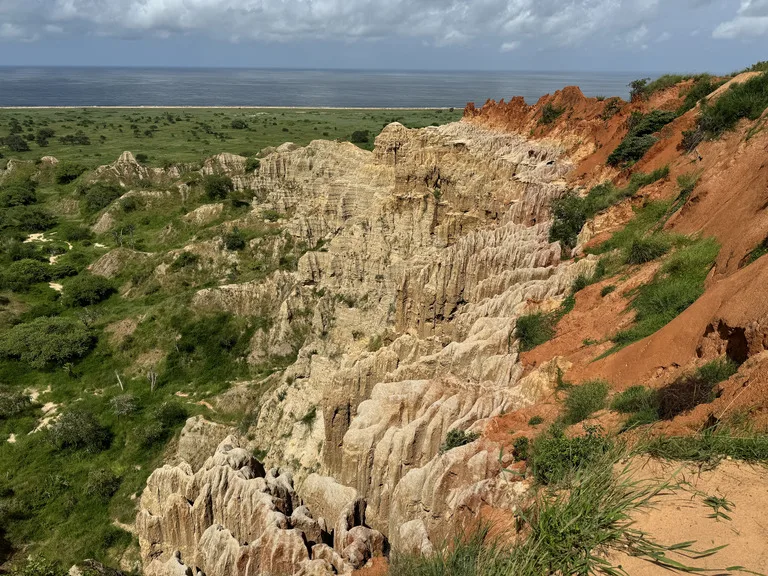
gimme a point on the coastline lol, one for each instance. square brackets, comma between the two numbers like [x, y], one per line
[152, 107]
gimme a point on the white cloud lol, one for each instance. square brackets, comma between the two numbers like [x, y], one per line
[509, 46]
[440, 22]
[751, 20]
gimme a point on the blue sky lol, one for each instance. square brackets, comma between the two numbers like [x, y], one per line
[605, 35]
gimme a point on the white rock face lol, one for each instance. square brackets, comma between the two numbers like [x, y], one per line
[422, 255]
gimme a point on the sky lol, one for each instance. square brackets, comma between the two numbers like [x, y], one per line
[581, 35]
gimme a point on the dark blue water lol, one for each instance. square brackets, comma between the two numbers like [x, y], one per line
[25, 86]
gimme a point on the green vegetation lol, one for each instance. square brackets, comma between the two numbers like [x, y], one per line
[535, 329]
[640, 137]
[535, 420]
[87, 290]
[189, 135]
[583, 401]
[640, 403]
[46, 342]
[757, 252]
[550, 113]
[571, 212]
[690, 390]
[703, 85]
[747, 100]
[218, 187]
[710, 446]
[676, 286]
[456, 438]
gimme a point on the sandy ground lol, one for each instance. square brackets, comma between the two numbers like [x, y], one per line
[683, 516]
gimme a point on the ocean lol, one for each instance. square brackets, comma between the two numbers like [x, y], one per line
[37, 86]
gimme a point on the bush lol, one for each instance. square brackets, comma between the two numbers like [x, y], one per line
[87, 290]
[521, 448]
[569, 214]
[252, 164]
[637, 89]
[102, 484]
[702, 87]
[79, 138]
[550, 113]
[272, 215]
[78, 429]
[218, 187]
[555, 458]
[535, 421]
[185, 260]
[123, 405]
[18, 193]
[583, 401]
[360, 137]
[234, 240]
[607, 290]
[22, 274]
[456, 438]
[534, 329]
[645, 250]
[16, 143]
[142, 158]
[169, 414]
[747, 100]
[238, 124]
[13, 403]
[151, 434]
[30, 218]
[633, 399]
[100, 195]
[67, 172]
[38, 567]
[76, 232]
[47, 341]
[639, 138]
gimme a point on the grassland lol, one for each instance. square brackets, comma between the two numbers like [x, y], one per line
[170, 135]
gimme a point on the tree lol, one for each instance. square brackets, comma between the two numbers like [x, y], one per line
[360, 137]
[16, 143]
[234, 240]
[218, 187]
[86, 290]
[22, 274]
[67, 172]
[637, 89]
[46, 342]
[78, 429]
[238, 124]
[100, 195]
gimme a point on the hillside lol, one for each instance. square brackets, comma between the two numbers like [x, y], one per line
[465, 332]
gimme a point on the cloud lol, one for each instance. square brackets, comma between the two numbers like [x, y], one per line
[509, 46]
[751, 20]
[440, 22]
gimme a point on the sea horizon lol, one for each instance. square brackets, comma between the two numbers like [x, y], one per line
[162, 86]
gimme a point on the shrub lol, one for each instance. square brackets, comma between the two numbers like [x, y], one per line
[607, 290]
[238, 124]
[252, 164]
[535, 421]
[645, 250]
[67, 172]
[747, 100]
[47, 341]
[702, 87]
[16, 143]
[38, 567]
[611, 108]
[100, 195]
[581, 282]
[102, 484]
[151, 433]
[637, 89]
[75, 232]
[534, 329]
[22, 274]
[18, 193]
[234, 240]
[639, 138]
[272, 215]
[169, 414]
[129, 204]
[583, 401]
[550, 113]
[185, 260]
[217, 187]
[123, 405]
[31, 218]
[13, 403]
[633, 399]
[142, 158]
[87, 290]
[79, 138]
[360, 137]
[688, 391]
[62, 270]
[554, 457]
[78, 429]
[710, 447]
[521, 448]
[456, 438]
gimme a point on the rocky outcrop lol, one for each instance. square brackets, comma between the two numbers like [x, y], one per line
[419, 259]
[232, 517]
